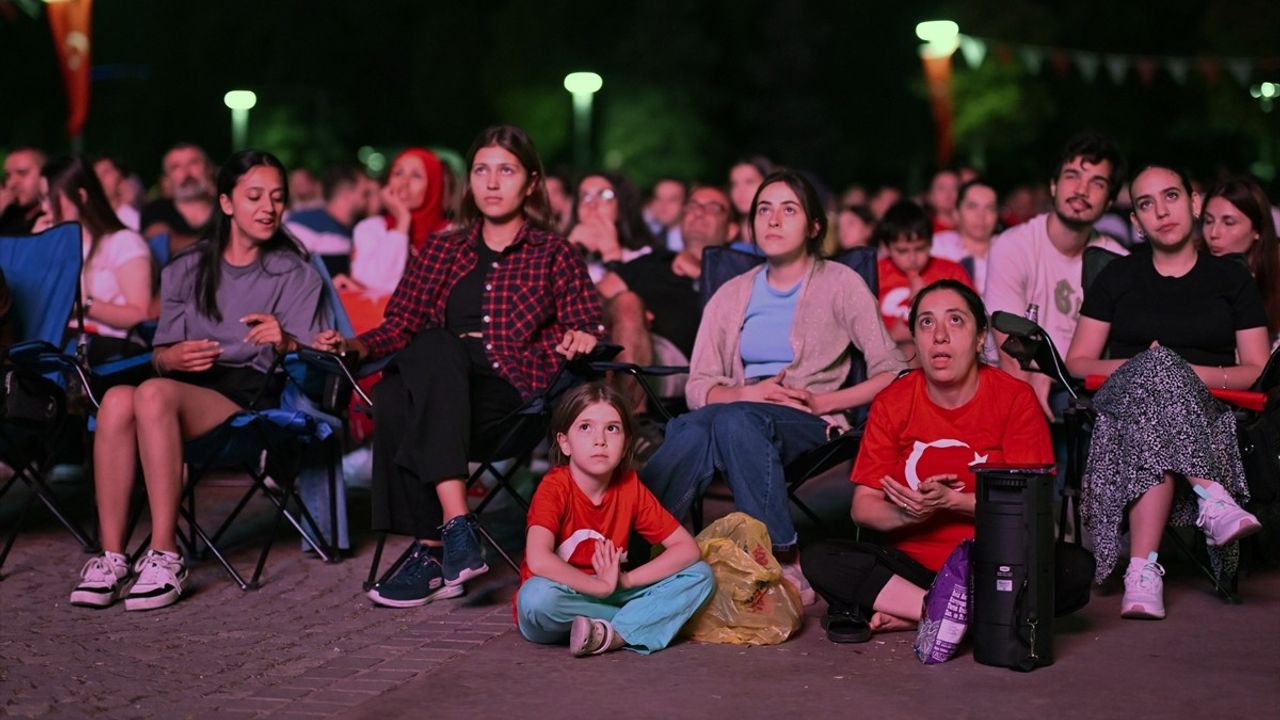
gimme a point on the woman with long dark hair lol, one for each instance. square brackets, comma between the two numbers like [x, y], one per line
[229, 306]
[608, 223]
[1173, 322]
[483, 318]
[115, 282]
[1237, 220]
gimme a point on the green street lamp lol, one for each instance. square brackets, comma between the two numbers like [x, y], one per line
[240, 102]
[582, 86]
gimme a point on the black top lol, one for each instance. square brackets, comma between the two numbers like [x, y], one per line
[465, 307]
[1196, 315]
[164, 211]
[672, 299]
[18, 219]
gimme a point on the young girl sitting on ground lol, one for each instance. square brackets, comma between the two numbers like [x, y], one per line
[573, 585]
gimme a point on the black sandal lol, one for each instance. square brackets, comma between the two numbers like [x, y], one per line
[846, 626]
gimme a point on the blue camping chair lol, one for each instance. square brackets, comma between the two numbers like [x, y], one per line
[43, 274]
[721, 264]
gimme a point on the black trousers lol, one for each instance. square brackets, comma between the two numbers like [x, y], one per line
[439, 404]
[849, 575]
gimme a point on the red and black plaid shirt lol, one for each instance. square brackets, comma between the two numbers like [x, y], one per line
[537, 290]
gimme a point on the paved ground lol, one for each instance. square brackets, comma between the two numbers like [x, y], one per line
[309, 645]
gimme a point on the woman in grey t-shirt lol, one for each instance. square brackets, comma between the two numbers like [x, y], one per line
[228, 306]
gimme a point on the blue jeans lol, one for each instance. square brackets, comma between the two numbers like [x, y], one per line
[749, 444]
[647, 618]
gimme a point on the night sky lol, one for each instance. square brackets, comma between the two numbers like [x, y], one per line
[835, 88]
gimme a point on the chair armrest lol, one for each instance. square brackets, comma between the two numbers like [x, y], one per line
[1243, 399]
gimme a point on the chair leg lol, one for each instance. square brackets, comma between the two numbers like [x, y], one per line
[46, 496]
[1225, 590]
[208, 543]
[395, 567]
[335, 457]
[695, 514]
[494, 544]
[377, 560]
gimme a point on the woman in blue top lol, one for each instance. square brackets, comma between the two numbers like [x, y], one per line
[768, 368]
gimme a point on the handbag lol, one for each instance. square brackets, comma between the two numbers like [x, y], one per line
[30, 399]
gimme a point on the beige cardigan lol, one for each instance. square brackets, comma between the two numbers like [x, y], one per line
[835, 308]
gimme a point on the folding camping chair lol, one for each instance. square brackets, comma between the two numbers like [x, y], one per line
[1034, 350]
[43, 274]
[721, 264]
[273, 448]
[523, 429]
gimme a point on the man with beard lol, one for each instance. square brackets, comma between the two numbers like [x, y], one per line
[20, 195]
[1040, 261]
[185, 213]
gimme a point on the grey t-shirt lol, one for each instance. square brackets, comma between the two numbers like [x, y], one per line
[280, 283]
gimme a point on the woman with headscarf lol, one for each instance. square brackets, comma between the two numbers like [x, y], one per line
[413, 209]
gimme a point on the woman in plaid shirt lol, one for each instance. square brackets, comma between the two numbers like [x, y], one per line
[480, 322]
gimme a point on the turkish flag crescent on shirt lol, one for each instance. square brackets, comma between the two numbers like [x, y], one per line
[70, 22]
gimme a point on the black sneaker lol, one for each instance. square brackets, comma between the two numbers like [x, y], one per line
[463, 556]
[846, 627]
[418, 581]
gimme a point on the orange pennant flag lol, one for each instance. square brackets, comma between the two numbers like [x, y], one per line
[70, 21]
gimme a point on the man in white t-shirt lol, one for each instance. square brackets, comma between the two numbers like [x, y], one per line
[1040, 261]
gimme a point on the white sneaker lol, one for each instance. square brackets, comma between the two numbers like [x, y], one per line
[792, 574]
[160, 578]
[1143, 590]
[102, 581]
[1222, 520]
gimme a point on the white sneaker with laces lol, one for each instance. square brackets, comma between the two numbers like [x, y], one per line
[160, 578]
[792, 574]
[1222, 520]
[1143, 590]
[102, 581]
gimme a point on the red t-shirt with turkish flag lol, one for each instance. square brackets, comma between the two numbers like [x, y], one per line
[895, 286]
[909, 438]
[578, 524]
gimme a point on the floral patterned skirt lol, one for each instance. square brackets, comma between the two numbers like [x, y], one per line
[1154, 416]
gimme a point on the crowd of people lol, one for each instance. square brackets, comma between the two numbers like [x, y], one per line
[478, 282]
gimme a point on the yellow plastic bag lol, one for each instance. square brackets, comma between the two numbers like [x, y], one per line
[753, 605]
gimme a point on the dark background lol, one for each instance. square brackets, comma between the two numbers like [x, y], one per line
[832, 87]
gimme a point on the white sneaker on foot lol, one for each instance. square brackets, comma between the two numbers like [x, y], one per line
[792, 574]
[1222, 520]
[1143, 590]
[102, 581]
[160, 578]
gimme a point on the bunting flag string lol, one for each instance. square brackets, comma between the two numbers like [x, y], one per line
[1117, 65]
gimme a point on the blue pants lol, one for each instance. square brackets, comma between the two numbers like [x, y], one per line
[647, 618]
[749, 444]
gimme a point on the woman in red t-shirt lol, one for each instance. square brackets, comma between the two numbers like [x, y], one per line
[913, 480]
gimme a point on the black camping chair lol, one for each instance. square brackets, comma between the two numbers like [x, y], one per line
[1034, 350]
[521, 432]
[721, 264]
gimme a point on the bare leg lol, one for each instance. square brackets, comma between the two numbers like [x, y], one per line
[1147, 518]
[115, 465]
[625, 315]
[898, 601]
[169, 412]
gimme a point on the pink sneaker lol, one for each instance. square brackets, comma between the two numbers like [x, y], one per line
[1143, 590]
[1222, 520]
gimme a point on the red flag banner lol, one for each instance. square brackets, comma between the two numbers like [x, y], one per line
[70, 22]
[937, 74]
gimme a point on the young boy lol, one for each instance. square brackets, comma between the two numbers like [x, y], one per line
[906, 234]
